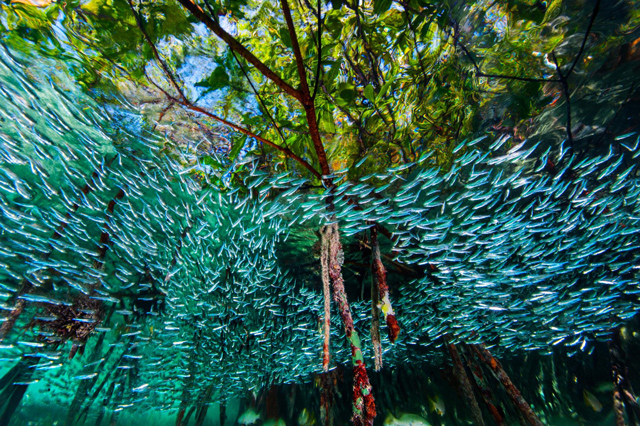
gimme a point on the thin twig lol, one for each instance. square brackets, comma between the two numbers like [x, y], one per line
[155, 52]
[596, 8]
[615, 116]
[513, 77]
[479, 72]
[376, 78]
[565, 91]
[315, 86]
[415, 40]
[162, 114]
[266, 110]
[364, 80]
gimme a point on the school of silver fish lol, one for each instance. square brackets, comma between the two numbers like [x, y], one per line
[513, 251]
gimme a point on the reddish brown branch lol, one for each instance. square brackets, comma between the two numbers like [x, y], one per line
[319, 46]
[186, 103]
[249, 133]
[304, 86]
[464, 383]
[237, 47]
[306, 100]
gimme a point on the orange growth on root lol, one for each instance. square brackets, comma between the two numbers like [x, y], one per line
[363, 403]
[393, 327]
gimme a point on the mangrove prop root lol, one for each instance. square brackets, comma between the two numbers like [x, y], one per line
[107, 399]
[380, 277]
[631, 402]
[326, 288]
[201, 407]
[464, 383]
[11, 393]
[83, 399]
[375, 327]
[364, 409]
[618, 407]
[512, 391]
[25, 285]
[326, 397]
[325, 403]
[273, 410]
[81, 394]
[375, 311]
[624, 396]
[11, 319]
[100, 386]
[223, 413]
[291, 401]
[617, 371]
[189, 414]
[483, 390]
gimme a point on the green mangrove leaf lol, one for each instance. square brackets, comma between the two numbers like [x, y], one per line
[369, 93]
[381, 6]
[216, 80]
[233, 154]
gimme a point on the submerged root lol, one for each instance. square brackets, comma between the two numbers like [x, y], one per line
[13, 386]
[380, 278]
[363, 403]
[75, 322]
[464, 383]
[514, 394]
[326, 289]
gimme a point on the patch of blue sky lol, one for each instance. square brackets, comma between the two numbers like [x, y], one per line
[434, 44]
[496, 19]
[228, 25]
[128, 119]
[61, 33]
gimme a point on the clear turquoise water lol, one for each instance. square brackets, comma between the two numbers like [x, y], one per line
[159, 295]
